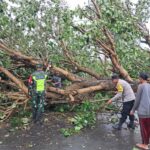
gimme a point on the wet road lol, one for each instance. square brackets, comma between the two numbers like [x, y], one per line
[102, 137]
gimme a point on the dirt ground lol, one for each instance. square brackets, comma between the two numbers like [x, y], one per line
[48, 137]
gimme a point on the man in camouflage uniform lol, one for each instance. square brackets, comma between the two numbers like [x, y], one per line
[37, 87]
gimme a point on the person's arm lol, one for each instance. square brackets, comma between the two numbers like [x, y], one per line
[119, 92]
[30, 82]
[138, 98]
[118, 95]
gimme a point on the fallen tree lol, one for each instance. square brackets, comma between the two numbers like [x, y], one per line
[69, 94]
[104, 37]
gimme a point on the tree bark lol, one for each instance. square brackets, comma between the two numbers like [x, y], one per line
[18, 82]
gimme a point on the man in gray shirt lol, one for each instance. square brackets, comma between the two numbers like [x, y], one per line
[142, 105]
[124, 92]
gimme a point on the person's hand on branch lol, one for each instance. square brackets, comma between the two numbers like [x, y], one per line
[109, 102]
[49, 66]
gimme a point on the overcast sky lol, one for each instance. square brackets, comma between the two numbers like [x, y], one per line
[74, 3]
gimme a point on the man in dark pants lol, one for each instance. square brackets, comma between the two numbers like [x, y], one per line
[37, 87]
[124, 92]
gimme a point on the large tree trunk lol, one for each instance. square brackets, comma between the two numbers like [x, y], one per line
[18, 82]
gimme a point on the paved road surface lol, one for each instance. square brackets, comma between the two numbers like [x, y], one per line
[102, 137]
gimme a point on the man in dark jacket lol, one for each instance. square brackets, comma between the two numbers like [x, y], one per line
[57, 81]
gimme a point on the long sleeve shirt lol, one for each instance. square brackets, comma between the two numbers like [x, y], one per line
[142, 102]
